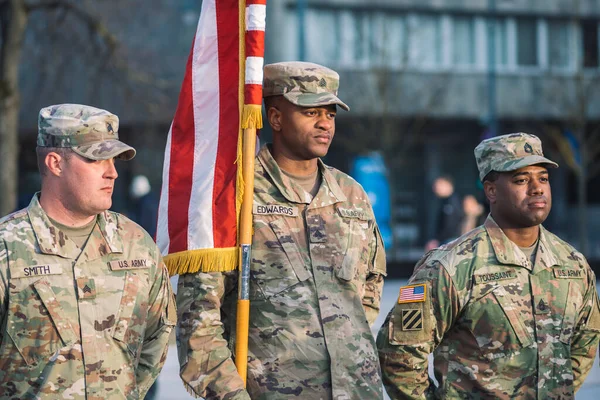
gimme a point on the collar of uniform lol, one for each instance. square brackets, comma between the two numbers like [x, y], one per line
[52, 241]
[109, 227]
[508, 252]
[545, 256]
[330, 192]
[291, 190]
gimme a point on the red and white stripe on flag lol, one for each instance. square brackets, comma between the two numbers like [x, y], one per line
[255, 51]
[197, 218]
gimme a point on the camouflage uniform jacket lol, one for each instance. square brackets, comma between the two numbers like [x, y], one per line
[498, 327]
[316, 280]
[91, 324]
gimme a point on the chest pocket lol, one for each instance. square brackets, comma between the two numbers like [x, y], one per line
[130, 320]
[36, 322]
[496, 317]
[277, 263]
[574, 303]
[355, 256]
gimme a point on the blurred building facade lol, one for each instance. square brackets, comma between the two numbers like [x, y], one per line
[426, 80]
[64, 61]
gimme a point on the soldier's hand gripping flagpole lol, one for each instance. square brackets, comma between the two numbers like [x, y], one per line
[251, 120]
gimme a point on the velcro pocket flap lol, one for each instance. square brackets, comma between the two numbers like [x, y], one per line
[292, 252]
[63, 326]
[127, 306]
[574, 300]
[514, 317]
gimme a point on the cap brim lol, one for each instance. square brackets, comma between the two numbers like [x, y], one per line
[314, 99]
[105, 150]
[525, 162]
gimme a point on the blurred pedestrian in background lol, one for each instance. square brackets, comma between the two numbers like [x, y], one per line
[450, 212]
[144, 204]
[472, 213]
[84, 295]
[509, 309]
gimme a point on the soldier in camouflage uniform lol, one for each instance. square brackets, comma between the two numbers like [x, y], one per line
[85, 300]
[317, 266]
[509, 310]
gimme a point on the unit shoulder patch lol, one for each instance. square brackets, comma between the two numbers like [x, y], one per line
[412, 320]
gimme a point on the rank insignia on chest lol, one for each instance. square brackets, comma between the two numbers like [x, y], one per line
[412, 294]
[412, 320]
[86, 288]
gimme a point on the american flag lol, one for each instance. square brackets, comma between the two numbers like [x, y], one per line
[412, 294]
[201, 189]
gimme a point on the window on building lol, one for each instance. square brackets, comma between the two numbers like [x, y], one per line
[527, 43]
[501, 41]
[559, 51]
[363, 36]
[322, 36]
[463, 40]
[589, 36]
[425, 40]
[500, 45]
[393, 40]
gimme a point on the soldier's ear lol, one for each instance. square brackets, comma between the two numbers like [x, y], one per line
[489, 188]
[274, 117]
[54, 163]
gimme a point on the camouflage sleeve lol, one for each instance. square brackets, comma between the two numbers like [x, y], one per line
[159, 324]
[412, 331]
[3, 285]
[587, 334]
[207, 368]
[374, 283]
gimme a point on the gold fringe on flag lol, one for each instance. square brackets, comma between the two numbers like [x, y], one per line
[252, 116]
[202, 260]
[239, 186]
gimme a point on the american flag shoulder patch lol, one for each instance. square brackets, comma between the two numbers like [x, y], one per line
[413, 293]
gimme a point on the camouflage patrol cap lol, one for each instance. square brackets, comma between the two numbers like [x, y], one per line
[302, 83]
[90, 132]
[509, 153]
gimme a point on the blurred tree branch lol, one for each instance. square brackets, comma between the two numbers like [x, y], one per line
[64, 36]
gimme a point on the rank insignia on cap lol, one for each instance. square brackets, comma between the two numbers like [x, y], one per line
[528, 148]
[412, 294]
[412, 320]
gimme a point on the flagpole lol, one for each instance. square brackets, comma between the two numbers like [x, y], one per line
[252, 52]
[245, 232]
